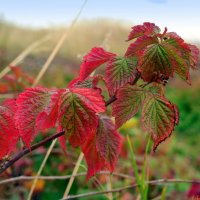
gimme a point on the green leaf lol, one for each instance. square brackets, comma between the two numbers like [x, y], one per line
[153, 61]
[77, 114]
[159, 117]
[119, 71]
[129, 100]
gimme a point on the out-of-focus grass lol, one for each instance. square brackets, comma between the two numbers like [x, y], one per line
[85, 35]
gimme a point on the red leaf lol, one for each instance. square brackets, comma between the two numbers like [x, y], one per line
[96, 57]
[103, 149]
[194, 56]
[119, 71]
[159, 117]
[62, 140]
[146, 29]
[140, 44]
[153, 62]
[48, 117]
[89, 82]
[194, 191]
[77, 115]
[162, 55]
[17, 71]
[8, 133]
[4, 88]
[129, 100]
[30, 104]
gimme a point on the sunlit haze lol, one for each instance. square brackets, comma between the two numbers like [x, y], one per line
[181, 16]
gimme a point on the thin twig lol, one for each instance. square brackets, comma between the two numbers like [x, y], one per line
[114, 98]
[57, 47]
[28, 150]
[29, 178]
[153, 182]
[37, 145]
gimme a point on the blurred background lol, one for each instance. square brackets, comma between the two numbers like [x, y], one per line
[34, 27]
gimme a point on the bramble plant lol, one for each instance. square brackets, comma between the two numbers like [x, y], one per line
[134, 82]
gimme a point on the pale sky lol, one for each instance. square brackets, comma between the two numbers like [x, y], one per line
[181, 16]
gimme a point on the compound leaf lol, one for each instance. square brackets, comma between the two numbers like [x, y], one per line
[161, 55]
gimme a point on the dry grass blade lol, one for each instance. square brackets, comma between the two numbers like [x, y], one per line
[40, 169]
[80, 158]
[23, 54]
[7, 96]
[57, 47]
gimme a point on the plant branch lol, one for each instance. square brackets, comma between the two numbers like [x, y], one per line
[46, 140]
[28, 150]
[29, 178]
[114, 98]
[37, 145]
[152, 182]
